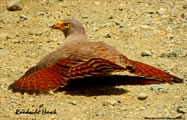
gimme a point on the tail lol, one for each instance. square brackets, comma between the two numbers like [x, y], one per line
[151, 72]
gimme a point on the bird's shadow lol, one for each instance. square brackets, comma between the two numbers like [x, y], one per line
[95, 86]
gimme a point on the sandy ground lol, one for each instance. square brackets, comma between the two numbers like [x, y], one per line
[132, 26]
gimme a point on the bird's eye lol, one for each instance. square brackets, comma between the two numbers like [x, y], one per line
[67, 26]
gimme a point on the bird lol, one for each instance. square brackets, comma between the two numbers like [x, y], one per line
[76, 58]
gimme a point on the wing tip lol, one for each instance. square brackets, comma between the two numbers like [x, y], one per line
[177, 80]
[13, 88]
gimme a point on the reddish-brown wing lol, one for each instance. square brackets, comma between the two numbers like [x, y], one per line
[42, 80]
[58, 75]
[151, 72]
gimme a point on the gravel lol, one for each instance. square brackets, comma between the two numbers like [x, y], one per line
[135, 26]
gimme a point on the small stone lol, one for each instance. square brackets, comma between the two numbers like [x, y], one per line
[29, 41]
[174, 53]
[51, 93]
[23, 17]
[184, 97]
[99, 114]
[161, 11]
[108, 36]
[181, 109]
[184, 6]
[111, 17]
[84, 16]
[151, 12]
[142, 96]
[145, 26]
[140, 108]
[73, 102]
[15, 41]
[124, 109]
[146, 53]
[109, 102]
[158, 87]
[14, 5]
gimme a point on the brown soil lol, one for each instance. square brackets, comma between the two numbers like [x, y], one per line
[134, 25]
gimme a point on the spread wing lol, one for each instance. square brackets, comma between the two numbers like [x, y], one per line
[47, 79]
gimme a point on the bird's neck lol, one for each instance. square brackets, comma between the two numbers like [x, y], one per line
[76, 37]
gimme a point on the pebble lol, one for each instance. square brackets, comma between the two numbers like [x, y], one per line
[124, 109]
[184, 97]
[141, 108]
[181, 109]
[158, 87]
[109, 102]
[29, 41]
[146, 53]
[16, 41]
[99, 114]
[142, 96]
[14, 5]
[108, 36]
[161, 11]
[146, 27]
[173, 53]
[73, 102]
[23, 17]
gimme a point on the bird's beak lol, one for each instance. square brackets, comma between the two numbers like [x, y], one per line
[58, 25]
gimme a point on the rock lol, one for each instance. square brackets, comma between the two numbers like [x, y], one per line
[158, 87]
[16, 41]
[73, 102]
[181, 109]
[23, 17]
[109, 102]
[84, 16]
[142, 96]
[146, 53]
[99, 114]
[161, 11]
[151, 12]
[173, 53]
[111, 17]
[141, 108]
[184, 97]
[108, 36]
[51, 92]
[14, 5]
[29, 40]
[146, 27]
[124, 109]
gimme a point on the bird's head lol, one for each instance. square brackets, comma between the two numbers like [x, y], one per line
[69, 26]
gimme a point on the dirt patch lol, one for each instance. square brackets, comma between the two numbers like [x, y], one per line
[159, 27]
